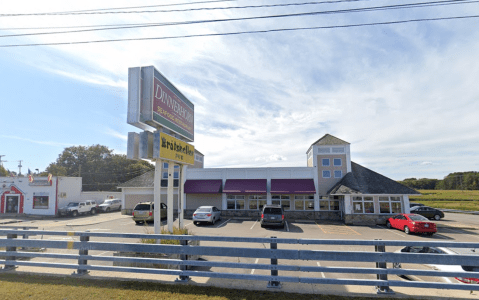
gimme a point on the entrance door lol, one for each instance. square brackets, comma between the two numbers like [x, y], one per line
[11, 204]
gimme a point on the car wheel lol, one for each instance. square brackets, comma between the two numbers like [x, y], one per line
[407, 230]
[74, 213]
[214, 221]
[430, 233]
[388, 225]
[437, 217]
[107, 209]
[93, 211]
[196, 223]
[119, 208]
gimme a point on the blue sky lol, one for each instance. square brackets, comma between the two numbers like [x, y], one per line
[405, 95]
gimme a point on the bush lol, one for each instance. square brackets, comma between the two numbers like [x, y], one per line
[176, 231]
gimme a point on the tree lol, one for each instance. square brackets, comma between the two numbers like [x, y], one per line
[3, 171]
[100, 169]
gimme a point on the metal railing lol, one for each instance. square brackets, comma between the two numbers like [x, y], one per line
[285, 256]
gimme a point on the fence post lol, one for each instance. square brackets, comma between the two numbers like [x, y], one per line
[10, 267]
[383, 265]
[184, 258]
[274, 263]
[83, 251]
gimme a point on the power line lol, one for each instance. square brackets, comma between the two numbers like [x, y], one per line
[376, 8]
[240, 32]
[183, 10]
[420, 4]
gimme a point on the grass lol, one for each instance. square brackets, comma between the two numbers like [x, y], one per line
[176, 231]
[448, 199]
[28, 286]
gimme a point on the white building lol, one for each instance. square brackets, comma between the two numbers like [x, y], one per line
[42, 196]
[331, 187]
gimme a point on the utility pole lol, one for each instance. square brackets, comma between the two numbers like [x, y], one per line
[20, 167]
[2, 161]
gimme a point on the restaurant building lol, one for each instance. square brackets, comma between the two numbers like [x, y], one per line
[330, 187]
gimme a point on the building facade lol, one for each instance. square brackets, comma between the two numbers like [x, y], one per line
[331, 187]
[43, 196]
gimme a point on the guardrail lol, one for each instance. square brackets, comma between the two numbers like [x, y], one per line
[280, 253]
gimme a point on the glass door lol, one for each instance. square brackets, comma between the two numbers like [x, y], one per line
[11, 204]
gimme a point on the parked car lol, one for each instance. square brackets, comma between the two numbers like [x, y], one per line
[77, 208]
[411, 223]
[462, 270]
[413, 204]
[206, 214]
[110, 204]
[144, 212]
[428, 212]
[272, 215]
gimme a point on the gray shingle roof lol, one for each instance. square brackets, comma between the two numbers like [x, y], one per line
[328, 139]
[146, 180]
[361, 180]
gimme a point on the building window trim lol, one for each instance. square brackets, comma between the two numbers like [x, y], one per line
[326, 174]
[335, 162]
[325, 162]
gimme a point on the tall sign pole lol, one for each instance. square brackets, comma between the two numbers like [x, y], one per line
[157, 195]
[156, 105]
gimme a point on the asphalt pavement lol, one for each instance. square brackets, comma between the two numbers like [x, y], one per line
[343, 290]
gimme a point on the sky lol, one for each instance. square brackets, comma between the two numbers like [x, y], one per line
[405, 95]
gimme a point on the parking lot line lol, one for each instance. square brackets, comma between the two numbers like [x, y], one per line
[337, 229]
[287, 226]
[322, 273]
[254, 224]
[256, 261]
[221, 224]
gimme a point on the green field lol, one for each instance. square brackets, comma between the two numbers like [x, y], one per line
[449, 199]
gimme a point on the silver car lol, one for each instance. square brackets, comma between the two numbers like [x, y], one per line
[110, 204]
[206, 214]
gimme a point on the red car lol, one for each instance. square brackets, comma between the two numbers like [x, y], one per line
[412, 223]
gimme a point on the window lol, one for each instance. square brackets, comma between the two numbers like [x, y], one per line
[337, 162]
[390, 205]
[40, 202]
[283, 200]
[338, 149]
[325, 162]
[329, 203]
[235, 202]
[176, 173]
[304, 202]
[256, 201]
[363, 205]
[338, 174]
[326, 174]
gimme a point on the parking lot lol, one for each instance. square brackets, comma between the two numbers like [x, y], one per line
[455, 227]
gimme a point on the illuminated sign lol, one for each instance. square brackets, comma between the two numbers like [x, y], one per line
[153, 102]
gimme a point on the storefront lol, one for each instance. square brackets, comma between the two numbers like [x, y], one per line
[331, 187]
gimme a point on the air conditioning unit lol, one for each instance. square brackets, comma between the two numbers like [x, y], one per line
[63, 195]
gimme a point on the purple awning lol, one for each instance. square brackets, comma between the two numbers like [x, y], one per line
[245, 186]
[292, 186]
[212, 186]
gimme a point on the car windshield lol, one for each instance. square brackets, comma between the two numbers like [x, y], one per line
[273, 210]
[108, 202]
[203, 209]
[142, 207]
[417, 218]
[72, 204]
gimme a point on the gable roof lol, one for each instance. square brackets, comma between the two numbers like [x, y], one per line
[361, 180]
[145, 180]
[328, 139]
